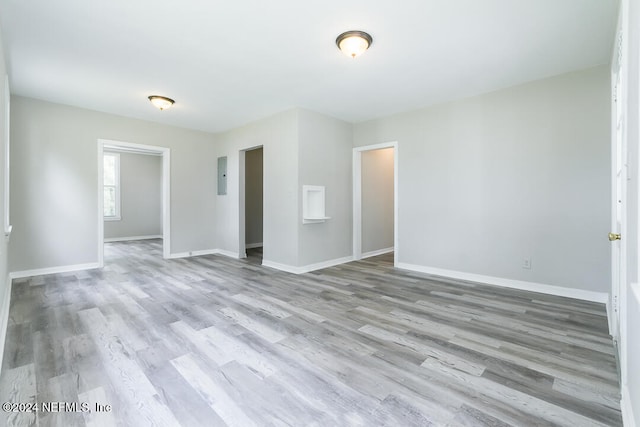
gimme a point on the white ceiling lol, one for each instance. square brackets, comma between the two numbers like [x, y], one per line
[227, 63]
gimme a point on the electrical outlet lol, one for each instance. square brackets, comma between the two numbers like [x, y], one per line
[526, 263]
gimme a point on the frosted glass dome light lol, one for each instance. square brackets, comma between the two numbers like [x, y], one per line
[354, 43]
[161, 102]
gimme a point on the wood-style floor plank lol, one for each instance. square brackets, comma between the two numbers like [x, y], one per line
[213, 341]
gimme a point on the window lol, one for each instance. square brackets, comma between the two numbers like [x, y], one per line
[111, 183]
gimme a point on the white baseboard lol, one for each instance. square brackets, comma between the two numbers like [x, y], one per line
[601, 297]
[204, 252]
[307, 268]
[628, 419]
[53, 270]
[281, 267]
[326, 264]
[376, 252]
[5, 304]
[253, 245]
[193, 253]
[126, 239]
[230, 254]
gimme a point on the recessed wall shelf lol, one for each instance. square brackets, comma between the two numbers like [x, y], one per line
[313, 204]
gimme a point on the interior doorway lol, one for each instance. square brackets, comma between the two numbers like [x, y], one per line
[619, 169]
[251, 204]
[375, 200]
[118, 147]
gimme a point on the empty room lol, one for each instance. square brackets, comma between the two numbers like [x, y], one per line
[420, 213]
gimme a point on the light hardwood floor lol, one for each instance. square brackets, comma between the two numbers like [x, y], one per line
[210, 341]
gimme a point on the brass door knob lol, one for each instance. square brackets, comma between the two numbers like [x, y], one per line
[614, 236]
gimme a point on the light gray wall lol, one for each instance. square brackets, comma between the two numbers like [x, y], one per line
[521, 172]
[278, 135]
[4, 276]
[325, 158]
[299, 147]
[140, 197]
[377, 200]
[631, 389]
[253, 196]
[54, 195]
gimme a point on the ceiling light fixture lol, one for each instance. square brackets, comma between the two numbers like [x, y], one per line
[162, 102]
[354, 43]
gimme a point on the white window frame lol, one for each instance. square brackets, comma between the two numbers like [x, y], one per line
[117, 216]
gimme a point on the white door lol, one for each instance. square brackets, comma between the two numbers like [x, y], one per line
[619, 188]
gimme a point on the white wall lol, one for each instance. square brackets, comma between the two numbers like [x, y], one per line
[140, 197]
[278, 135]
[523, 172]
[325, 146]
[253, 196]
[54, 195]
[377, 200]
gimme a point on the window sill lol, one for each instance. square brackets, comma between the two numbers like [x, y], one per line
[112, 218]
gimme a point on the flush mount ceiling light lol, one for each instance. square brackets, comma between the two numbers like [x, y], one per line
[354, 43]
[162, 102]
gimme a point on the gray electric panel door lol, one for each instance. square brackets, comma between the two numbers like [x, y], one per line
[222, 176]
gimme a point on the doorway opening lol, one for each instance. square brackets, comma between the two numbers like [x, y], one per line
[617, 307]
[112, 153]
[375, 201]
[251, 204]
